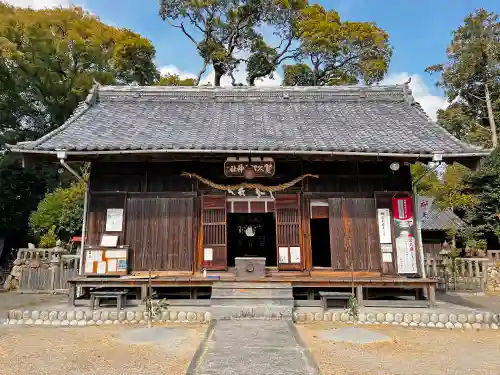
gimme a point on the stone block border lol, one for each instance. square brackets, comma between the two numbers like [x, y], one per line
[416, 320]
[421, 320]
[85, 318]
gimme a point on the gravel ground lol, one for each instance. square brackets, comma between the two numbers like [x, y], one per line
[487, 303]
[412, 351]
[14, 300]
[104, 350]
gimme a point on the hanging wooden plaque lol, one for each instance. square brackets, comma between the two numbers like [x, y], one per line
[262, 168]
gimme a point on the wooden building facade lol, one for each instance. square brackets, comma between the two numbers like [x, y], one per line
[335, 157]
[170, 219]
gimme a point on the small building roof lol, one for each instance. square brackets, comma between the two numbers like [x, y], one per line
[345, 120]
[440, 220]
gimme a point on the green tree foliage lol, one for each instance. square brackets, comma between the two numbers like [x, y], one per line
[50, 58]
[175, 80]
[457, 120]
[473, 61]
[225, 32]
[61, 212]
[450, 192]
[338, 52]
[429, 180]
[485, 185]
[20, 191]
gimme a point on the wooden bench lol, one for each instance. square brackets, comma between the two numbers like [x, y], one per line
[120, 296]
[325, 296]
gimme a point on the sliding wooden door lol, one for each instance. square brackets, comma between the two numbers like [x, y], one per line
[214, 250]
[288, 232]
[354, 234]
[160, 233]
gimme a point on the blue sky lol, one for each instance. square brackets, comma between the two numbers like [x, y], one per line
[419, 31]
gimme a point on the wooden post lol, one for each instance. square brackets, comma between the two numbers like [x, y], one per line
[310, 294]
[144, 293]
[359, 295]
[432, 295]
[72, 294]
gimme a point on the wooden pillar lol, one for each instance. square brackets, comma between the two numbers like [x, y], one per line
[359, 295]
[306, 231]
[432, 295]
[72, 294]
[310, 294]
[144, 292]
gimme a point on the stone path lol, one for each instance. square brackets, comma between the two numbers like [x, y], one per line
[253, 347]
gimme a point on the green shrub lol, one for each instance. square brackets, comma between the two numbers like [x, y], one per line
[59, 213]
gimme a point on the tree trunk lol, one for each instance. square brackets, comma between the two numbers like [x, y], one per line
[217, 78]
[491, 117]
[251, 81]
[219, 72]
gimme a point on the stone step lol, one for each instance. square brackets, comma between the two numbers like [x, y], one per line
[251, 312]
[253, 293]
[250, 302]
[247, 285]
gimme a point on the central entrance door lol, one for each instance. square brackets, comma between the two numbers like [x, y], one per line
[251, 235]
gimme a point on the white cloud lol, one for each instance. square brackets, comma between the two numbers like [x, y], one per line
[240, 77]
[38, 4]
[226, 81]
[422, 94]
[172, 69]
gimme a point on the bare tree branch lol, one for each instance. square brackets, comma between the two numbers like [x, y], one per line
[181, 26]
[202, 71]
[195, 23]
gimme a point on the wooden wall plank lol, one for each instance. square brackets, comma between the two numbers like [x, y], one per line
[160, 231]
[354, 234]
[336, 234]
[96, 224]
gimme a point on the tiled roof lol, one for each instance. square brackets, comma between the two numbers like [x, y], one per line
[377, 119]
[441, 220]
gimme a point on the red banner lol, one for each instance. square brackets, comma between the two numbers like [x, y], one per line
[402, 208]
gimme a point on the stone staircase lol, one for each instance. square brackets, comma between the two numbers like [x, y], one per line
[247, 300]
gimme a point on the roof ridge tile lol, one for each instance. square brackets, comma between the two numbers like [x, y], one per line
[81, 108]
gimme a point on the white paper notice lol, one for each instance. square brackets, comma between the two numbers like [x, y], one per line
[208, 254]
[89, 266]
[406, 254]
[387, 257]
[384, 225]
[112, 265]
[386, 247]
[109, 241]
[295, 255]
[93, 255]
[101, 267]
[114, 219]
[116, 253]
[283, 254]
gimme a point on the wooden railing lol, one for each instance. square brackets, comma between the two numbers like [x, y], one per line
[467, 274]
[493, 254]
[49, 276]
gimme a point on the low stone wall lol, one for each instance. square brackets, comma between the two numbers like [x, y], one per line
[493, 279]
[84, 318]
[422, 320]
[417, 320]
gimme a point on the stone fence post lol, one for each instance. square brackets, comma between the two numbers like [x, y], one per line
[493, 278]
